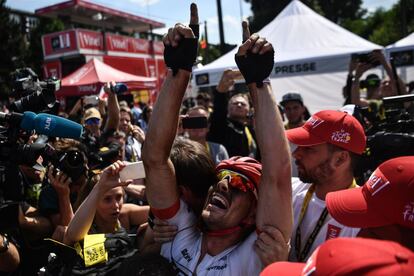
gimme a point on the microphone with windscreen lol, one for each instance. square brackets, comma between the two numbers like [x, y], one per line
[44, 123]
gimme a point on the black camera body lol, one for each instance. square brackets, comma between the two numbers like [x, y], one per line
[388, 138]
[365, 58]
[72, 163]
[31, 94]
[35, 95]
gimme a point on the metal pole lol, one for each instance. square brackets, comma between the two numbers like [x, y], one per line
[206, 52]
[221, 31]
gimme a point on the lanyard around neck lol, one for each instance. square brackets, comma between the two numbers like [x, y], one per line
[301, 255]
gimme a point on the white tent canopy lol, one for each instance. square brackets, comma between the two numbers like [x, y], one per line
[403, 53]
[312, 56]
[404, 43]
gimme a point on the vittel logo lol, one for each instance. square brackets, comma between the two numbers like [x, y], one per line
[119, 43]
[140, 45]
[91, 41]
[408, 213]
[314, 122]
[376, 182]
[87, 88]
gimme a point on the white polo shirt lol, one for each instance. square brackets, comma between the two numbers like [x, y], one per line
[331, 228]
[184, 251]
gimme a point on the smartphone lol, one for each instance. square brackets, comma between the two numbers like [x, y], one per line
[134, 170]
[194, 122]
[365, 58]
[92, 100]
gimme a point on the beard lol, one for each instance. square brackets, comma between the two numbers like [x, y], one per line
[317, 174]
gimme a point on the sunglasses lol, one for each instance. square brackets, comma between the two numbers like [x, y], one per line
[373, 83]
[237, 180]
[92, 121]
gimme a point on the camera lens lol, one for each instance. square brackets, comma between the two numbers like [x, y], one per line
[74, 158]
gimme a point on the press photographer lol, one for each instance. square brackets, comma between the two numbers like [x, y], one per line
[390, 137]
[375, 88]
[21, 163]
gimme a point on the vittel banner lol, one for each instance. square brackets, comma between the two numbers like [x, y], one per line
[90, 40]
[118, 43]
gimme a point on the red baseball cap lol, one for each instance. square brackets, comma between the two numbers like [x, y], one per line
[386, 198]
[329, 126]
[350, 256]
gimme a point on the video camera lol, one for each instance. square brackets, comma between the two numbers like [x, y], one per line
[30, 94]
[35, 95]
[390, 137]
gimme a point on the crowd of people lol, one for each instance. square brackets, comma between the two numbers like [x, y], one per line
[237, 184]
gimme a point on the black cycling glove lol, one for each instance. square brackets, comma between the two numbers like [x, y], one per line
[196, 29]
[255, 68]
[183, 56]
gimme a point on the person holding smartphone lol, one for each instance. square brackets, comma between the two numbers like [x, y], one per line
[196, 125]
[230, 120]
[376, 88]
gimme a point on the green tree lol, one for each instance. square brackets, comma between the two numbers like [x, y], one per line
[337, 10]
[384, 26]
[34, 57]
[264, 11]
[12, 47]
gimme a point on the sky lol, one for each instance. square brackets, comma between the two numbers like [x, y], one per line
[171, 11]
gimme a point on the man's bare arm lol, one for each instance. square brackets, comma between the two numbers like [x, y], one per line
[161, 188]
[275, 191]
[112, 121]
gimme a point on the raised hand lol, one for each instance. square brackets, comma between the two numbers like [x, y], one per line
[255, 57]
[110, 177]
[60, 182]
[108, 87]
[228, 79]
[137, 132]
[361, 68]
[181, 45]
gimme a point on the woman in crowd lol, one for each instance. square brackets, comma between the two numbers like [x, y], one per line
[103, 210]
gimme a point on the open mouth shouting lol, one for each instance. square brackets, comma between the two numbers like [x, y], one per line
[218, 202]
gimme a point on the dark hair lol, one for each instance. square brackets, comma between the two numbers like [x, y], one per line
[126, 109]
[355, 159]
[145, 112]
[193, 166]
[203, 96]
[146, 265]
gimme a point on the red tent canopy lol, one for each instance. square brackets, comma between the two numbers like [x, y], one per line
[90, 77]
